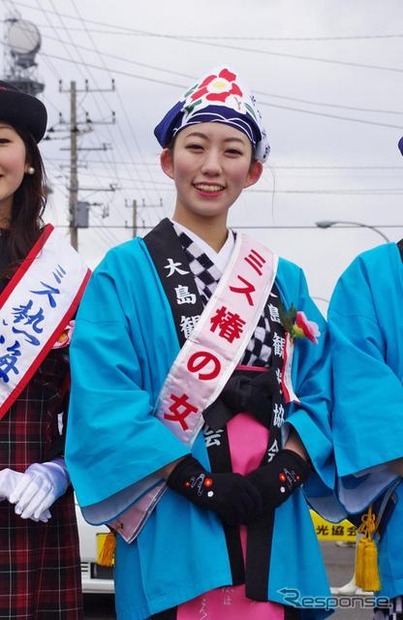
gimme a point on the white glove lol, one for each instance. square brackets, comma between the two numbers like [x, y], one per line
[39, 487]
[8, 481]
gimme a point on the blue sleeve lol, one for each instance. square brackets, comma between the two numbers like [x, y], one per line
[123, 346]
[367, 347]
[365, 322]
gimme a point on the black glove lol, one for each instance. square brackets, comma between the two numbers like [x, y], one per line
[277, 480]
[229, 495]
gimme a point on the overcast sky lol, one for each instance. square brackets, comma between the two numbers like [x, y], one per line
[327, 75]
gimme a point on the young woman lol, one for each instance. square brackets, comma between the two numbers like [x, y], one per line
[41, 281]
[196, 412]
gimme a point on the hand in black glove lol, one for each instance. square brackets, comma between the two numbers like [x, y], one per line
[229, 495]
[276, 481]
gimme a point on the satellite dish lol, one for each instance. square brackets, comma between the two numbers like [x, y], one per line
[24, 39]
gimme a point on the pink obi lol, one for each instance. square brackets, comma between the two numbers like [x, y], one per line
[248, 441]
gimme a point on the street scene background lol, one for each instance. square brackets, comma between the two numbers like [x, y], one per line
[328, 79]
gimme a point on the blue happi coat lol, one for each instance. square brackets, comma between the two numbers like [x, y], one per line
[123, 347]
[365, 322]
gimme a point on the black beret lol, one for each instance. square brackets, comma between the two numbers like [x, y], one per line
[22, 111]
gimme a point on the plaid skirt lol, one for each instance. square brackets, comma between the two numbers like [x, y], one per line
[40, 571]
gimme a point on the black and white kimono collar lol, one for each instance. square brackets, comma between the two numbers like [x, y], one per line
[219, 259]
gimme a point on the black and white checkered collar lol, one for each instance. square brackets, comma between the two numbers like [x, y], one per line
[219, 259]
[203, 259]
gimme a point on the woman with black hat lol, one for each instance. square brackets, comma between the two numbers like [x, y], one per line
[41, 282]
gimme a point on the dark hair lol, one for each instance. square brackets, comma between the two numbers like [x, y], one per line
[29, 202]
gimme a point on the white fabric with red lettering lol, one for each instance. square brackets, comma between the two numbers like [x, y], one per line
[209, 356]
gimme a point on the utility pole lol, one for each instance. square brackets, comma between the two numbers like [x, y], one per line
[134, 218]
[73, 167]
[74, 131]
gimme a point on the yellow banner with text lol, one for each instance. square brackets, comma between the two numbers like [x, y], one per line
[325, 530]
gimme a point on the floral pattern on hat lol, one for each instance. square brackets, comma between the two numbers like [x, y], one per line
[215, 88]
[219, 88]
[217, 96]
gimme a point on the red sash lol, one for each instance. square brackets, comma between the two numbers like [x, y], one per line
[36, 306]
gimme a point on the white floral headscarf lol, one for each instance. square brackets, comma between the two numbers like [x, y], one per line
[217, 97]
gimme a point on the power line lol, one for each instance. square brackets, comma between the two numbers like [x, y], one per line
[262, 103]
[319, 192]
[289, 108]
[266, 38]
[330, 105]
[101, 57]
[326, 115]
[156, 164]
[68, 46]
[289, 56]
[249, 227]
[187, 76]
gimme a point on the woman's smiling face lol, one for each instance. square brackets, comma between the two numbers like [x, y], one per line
[210, 163]
[12, 167]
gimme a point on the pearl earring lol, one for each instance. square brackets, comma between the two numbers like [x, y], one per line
[31, 170]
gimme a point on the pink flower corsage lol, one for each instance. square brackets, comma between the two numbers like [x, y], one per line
[65, 337]
[303, 327]
[297, 325]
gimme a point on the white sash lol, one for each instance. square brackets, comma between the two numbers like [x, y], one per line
[205, 363]
[35, 307]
